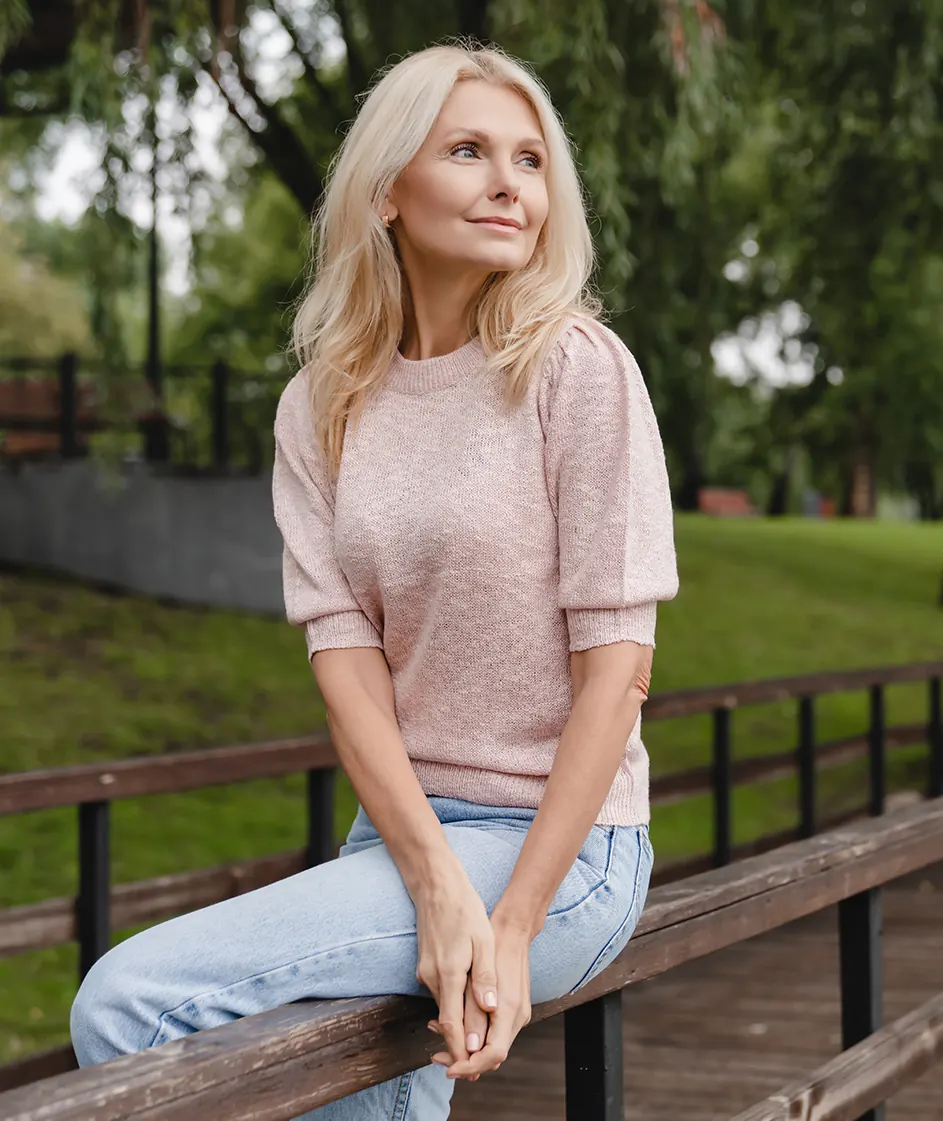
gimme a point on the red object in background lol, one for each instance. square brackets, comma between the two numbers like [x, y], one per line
[722, 502]
[826, 507]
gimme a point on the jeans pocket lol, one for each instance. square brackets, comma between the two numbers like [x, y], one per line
[620, 937]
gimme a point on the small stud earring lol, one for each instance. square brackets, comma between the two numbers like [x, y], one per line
[386, 220]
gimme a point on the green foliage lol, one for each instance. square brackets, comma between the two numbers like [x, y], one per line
[41, 313]
[815, 134]
[849, 211]
[14, 22]
[245, 277]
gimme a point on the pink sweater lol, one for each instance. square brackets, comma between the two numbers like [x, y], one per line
[478, 549]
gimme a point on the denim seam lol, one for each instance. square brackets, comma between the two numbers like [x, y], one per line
[267, 972]
[633, 906]
[402, 1097]
[594, 889]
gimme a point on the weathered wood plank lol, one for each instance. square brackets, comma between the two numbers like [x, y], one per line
[693, 702]
[32, 1068]
[162, 774]
[66, 786]
[35, 926]
[275, 1065]
[679, 785]
[707, 1040]
[863, 1076]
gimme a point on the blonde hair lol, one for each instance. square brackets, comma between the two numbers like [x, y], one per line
[350, 321]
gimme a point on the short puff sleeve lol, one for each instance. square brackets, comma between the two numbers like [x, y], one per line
[608, 486]
[317, 594]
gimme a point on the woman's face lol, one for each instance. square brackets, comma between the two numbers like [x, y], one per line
[484, 158]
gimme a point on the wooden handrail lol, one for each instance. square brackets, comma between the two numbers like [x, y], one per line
[694, 702]
[863, 1076]
[275, 1065]
[677, 786]
[54, 922]
[162, 774]
[190, 770]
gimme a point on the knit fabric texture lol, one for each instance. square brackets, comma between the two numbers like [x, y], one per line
[478, 547]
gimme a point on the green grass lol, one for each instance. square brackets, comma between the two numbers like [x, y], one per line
[87, 676]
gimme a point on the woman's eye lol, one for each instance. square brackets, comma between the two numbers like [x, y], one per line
[470, 146]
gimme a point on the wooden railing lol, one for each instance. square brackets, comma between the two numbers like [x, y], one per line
[278, 1064]
[99, 908]
[49, 406]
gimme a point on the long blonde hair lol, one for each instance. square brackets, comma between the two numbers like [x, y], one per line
[350, 321]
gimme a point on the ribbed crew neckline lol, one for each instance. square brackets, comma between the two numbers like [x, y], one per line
[423, 375]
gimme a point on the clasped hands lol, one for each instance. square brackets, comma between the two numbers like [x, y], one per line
[478, 970]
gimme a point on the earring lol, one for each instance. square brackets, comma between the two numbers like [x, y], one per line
[386, 220]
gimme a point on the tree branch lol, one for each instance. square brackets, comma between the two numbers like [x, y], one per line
[358, 75]
[473, 19]
[325, 94]
[278, 143]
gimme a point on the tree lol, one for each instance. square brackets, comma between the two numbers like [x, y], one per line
[851, 210]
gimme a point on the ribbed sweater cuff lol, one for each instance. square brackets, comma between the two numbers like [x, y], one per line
[340, 631]
[599, 626]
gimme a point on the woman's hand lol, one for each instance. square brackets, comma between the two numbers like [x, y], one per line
[512, 963]
[456, 959]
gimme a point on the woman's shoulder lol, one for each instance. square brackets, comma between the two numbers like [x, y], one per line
[588, 350]
[293, 412]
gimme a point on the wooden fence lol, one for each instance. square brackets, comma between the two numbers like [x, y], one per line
[51, 406]
[275, 1065]
[101, 907]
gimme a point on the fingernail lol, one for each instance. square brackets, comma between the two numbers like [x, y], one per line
[491, 999]
[472, 1042]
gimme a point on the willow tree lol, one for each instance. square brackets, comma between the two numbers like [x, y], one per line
[849, 156]
[644, 87]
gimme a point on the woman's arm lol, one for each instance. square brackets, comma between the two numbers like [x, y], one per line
[608, 487]
[454, 934]
[358, 694]
[610, 684]
[346, 651]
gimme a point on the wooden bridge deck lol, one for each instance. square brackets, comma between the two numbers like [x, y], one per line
[711, 1038]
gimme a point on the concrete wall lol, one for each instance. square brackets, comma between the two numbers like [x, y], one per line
[206, 541]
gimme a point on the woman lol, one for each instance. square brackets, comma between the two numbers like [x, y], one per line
[472, 493]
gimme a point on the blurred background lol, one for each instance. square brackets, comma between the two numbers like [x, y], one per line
[766, 184]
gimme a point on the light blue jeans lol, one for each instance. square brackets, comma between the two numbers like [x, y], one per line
[348, 928]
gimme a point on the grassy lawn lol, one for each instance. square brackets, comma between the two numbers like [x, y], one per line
[87, 676]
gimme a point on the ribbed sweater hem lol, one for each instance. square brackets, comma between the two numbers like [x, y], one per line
[340, 631]
[625, 804]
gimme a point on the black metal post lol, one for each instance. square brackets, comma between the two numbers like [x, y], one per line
[806, 767]
[859, 931]
[68, 407]
[592, 1035]
[92, 907]
[935, 739]
[876, 751]
[219, 412]
[320, 816]
[722, 787]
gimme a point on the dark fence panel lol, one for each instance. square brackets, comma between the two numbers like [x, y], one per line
[208, 419]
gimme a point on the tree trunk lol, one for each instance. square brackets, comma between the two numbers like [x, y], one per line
[692, 480]
[778, 502]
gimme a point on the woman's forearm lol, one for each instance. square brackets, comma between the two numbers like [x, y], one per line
[358, 695]
[604, 712]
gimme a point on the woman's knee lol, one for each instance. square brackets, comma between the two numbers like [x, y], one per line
[113, 1012]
